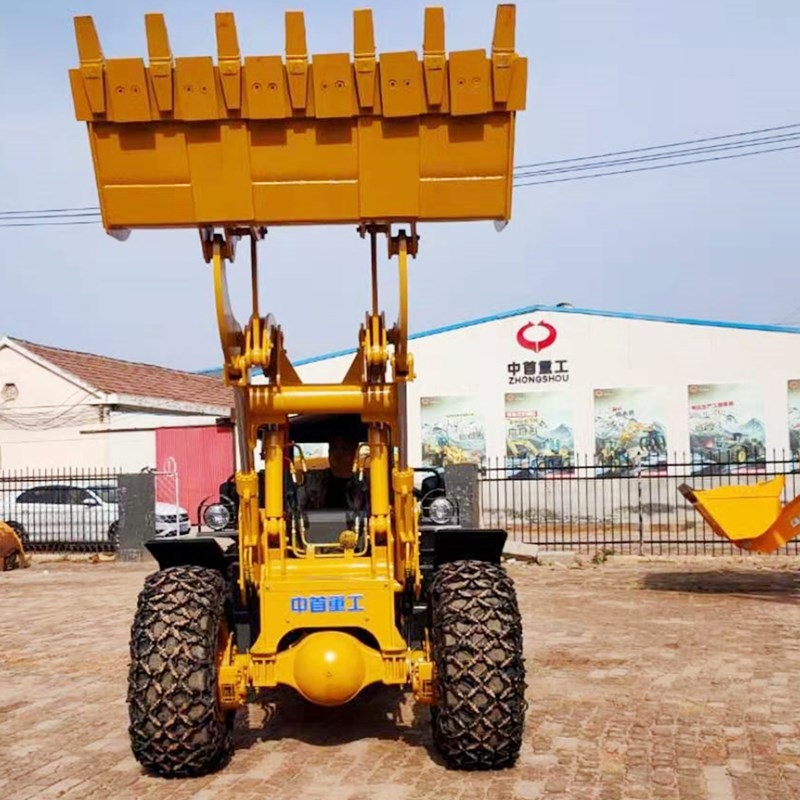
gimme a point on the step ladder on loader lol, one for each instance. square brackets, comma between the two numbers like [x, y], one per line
[383, 142]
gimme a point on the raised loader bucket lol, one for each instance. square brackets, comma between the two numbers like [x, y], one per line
[320, 139]
[751, 517]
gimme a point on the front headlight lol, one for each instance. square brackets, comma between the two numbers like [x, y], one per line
[217, 517]
[441, 511]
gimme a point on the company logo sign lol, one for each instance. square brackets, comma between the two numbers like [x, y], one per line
[332, 604]
[536, 336]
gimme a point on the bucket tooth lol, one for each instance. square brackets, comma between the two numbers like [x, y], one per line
[433, 55]
[503, 51]
[229, 59]
[297, 59]
[364, 56]
[92, 63]
[160, 57]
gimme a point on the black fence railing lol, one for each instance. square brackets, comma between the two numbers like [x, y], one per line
[576, 505]
[80, 510]
[617, 507]
[62, 509]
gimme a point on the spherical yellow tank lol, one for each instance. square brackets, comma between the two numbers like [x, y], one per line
[329, 668]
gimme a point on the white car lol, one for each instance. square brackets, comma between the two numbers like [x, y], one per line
[72, 514]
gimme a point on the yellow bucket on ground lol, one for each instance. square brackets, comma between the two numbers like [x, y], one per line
[743, 512]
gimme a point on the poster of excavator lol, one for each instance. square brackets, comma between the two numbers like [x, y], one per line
[453, 431]
[794, 419]
[539, 433]
[726, 428]
[629, 431]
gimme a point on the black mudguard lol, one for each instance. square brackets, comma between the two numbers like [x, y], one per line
[455, 544]
[197, 551]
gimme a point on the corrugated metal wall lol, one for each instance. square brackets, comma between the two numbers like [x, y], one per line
[203, 457]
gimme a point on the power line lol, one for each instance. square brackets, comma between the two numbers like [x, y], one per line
[717, 148]
[50, 210]
[35, 216]
[40, 224]
[656, 166]
[659, 146]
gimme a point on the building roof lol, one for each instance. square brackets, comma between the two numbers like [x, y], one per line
[563, 309]
[133, 379]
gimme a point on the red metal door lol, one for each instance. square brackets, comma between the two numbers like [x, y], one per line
[203, 457]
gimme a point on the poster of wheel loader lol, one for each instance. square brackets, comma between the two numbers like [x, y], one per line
[539, 433]
[726, 428]
[630, 433]
[452, 431]
[793, 392]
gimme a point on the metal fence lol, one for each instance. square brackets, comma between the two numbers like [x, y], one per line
[589, 507]
[581, 506]
[74, 509]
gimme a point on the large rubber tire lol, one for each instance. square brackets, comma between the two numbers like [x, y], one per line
[12, 560]
[479, 672]
[22, 534]
[113, 536]
[177, 728]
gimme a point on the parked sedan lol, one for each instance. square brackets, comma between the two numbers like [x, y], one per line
[70, 514]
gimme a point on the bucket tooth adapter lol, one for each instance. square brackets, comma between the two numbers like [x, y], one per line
[379, 591]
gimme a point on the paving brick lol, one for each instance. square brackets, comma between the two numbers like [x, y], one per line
[649, 679]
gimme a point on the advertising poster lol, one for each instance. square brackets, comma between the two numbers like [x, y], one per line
[630, 430]
[539, 432]
[726, 427]
[794, 418]
[453, 432]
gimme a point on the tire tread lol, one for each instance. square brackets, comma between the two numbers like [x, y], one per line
[175, 727]
[479, 677]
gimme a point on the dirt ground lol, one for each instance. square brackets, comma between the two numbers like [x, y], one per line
[660, 678]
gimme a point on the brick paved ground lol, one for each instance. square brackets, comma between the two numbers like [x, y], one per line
[648, 679]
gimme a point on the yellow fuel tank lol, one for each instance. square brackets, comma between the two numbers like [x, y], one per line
[330, 668]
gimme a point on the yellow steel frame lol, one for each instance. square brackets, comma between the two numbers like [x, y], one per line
[235, 147]
[364, 585]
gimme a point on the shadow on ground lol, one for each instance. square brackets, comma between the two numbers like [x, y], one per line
[780, 587]
[378, 712]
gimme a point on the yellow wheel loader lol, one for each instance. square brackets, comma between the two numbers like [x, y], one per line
[13, 544]
[383, 143]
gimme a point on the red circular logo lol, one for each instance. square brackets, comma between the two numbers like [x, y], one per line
[542, 336]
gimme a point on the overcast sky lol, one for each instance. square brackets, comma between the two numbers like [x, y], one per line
[712, 241]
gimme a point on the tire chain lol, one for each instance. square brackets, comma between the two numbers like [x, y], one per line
[479, 716]
[175, 728]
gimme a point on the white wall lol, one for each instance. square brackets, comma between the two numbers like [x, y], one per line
[55, 423]
[41, 427]
[600, 352]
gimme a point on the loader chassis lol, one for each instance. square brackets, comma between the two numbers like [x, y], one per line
[234, 149]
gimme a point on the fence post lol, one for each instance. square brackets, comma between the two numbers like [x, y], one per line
[461, 481]
[641, 515]
[137, 504]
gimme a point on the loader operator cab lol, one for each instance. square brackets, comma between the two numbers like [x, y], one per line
[324, 498]
[331, 494]
[332, 487]
[335, 496]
